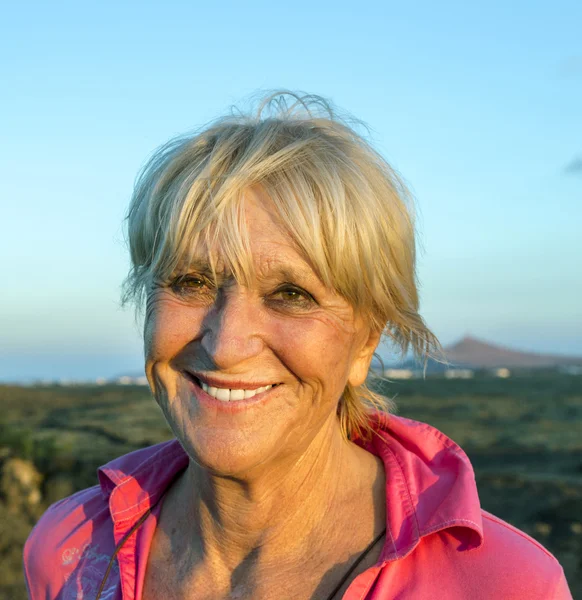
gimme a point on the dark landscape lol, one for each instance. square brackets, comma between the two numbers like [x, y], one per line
[522, 433]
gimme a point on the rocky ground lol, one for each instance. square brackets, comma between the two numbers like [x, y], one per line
[523, 436]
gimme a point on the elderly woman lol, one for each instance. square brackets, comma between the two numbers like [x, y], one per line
[273, 253]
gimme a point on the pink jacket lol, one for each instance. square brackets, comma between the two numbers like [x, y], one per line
[439, 543]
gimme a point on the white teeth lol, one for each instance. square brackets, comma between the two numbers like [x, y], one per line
[237, 395]
[223, 395]
[226, 395]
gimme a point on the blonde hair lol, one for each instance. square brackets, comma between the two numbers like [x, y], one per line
[342, 204]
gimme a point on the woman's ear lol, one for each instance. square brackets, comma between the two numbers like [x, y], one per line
[361, 363]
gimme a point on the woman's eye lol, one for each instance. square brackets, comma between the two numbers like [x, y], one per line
[291, 294]
[186, 284]
[294, 296]
[190, 285]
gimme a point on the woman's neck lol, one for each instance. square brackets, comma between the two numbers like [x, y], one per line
[287, 513]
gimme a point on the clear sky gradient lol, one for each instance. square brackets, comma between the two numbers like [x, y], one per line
[477, 105]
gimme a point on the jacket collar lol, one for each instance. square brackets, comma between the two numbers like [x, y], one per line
[430, 483]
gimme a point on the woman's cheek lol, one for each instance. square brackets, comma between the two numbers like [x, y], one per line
[308, 346]
[169, 327]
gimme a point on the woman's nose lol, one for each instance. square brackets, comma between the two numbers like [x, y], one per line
[232, 329]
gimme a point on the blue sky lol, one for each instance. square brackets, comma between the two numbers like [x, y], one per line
[478, 106]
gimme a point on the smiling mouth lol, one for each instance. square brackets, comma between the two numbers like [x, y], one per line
[229, 394]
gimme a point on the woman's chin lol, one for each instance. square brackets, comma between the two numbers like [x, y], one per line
[234, 442]
[229, 453]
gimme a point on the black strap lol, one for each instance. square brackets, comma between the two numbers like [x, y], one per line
[118, 548]
[145, 515]
[360, 558]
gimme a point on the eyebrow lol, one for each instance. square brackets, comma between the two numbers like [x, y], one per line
[291, 272]
[283, 270]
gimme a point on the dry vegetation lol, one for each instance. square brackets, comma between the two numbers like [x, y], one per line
[522, 434]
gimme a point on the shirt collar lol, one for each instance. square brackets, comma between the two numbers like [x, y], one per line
[133, 483]
[430, 483]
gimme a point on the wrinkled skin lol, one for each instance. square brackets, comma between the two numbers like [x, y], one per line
[276, 484]
[312, 349]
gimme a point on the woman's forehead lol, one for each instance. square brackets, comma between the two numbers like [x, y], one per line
[272, 251]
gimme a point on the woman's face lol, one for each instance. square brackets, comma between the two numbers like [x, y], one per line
[286, 329]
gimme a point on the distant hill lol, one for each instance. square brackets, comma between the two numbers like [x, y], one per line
[470, 352]
[477, 353]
